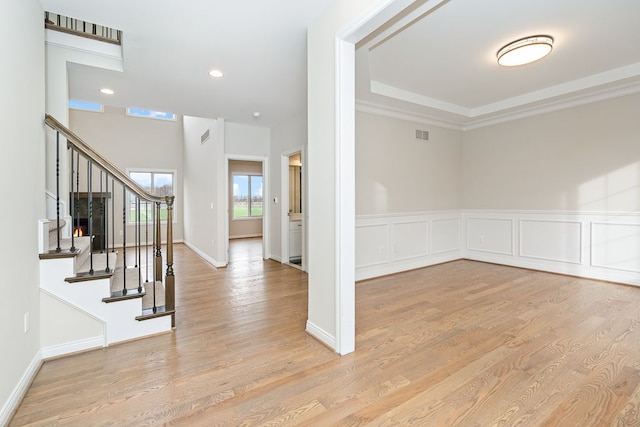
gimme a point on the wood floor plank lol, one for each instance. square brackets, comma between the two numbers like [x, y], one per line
[457, 344]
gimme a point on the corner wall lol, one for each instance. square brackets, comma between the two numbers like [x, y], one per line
[22, 104]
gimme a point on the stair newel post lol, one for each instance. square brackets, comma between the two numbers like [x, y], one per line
[124, 238]
[58, 249]
[138, 244]
[106, 219]
[170, 278]
[90, 212]
[72, 200]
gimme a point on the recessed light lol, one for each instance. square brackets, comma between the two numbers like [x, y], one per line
[525, 50]
[256, 114]
[216, 73]
[107, 91]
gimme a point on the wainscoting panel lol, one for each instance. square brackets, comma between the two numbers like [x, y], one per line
[615, 246]
[387, 244]
[493, 235]
[559, 241]
[603, 246]
[373, 245]
[410, 239]
[596, 245]
[445, 235]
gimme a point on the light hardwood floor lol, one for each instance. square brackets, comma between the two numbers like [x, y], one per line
[462, 343]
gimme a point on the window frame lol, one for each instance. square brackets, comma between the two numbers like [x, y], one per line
[249, 217]
[152, 171]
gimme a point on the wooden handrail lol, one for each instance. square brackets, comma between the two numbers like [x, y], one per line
[87, 151]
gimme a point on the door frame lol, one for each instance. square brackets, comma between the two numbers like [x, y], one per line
[284, 205]
[265, 200]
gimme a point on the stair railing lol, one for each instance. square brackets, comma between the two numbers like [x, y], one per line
[132, 195]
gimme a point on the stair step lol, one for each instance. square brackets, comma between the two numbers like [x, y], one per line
[150, 314]
[121, 296]
[81, 245]
[87, 277]
[99, 263]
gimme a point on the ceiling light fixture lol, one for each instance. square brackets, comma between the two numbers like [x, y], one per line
[256, 114]
[525, 50]
[216, 73]
[107, 91]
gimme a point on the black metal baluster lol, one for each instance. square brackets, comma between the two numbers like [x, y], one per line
[156, 238]
[90, 212]
[58, 249]
[101, 213]
[146, 240]
[73, 237]
[138, 244]
[113, 216]
[77, 212]
[106, 220]
[124, 238]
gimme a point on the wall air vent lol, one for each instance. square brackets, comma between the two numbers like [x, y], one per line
[204, 136]
[422, 134]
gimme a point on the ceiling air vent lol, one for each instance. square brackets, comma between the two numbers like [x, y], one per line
[204, 136]
[422, 134]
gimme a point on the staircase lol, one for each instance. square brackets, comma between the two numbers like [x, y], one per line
[120, 285]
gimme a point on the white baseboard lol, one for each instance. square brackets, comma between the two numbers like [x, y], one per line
[20, 390]
[386, 269]
[321, 335]
[73, 347]
[245, 236]
[216, 264]
[275, 258]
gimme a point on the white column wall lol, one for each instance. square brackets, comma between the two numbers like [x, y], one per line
[22, 106]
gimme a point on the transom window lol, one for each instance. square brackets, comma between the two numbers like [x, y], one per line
[247, 196]
[149, 114]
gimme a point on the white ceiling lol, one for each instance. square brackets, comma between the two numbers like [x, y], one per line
[170, 46]
[439, 63]
[436, 63]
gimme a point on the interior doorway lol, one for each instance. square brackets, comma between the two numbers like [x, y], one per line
[293, 209]
[247, 207]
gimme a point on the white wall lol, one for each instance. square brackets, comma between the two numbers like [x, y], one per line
[397, 173]
[22, 84]
[245, 227]
[246, 140]
[204, 190]
[331, 103]
[580, 159]
[134, 143]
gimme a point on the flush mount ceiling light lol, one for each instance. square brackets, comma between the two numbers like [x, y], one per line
[216, 73]
[106, 91]
[525, 50]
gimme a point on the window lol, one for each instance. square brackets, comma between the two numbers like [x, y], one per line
[247, 196]
[158, 183]
[140, 112]
[83, 105]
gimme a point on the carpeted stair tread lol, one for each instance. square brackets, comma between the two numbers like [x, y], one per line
[132, 281]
